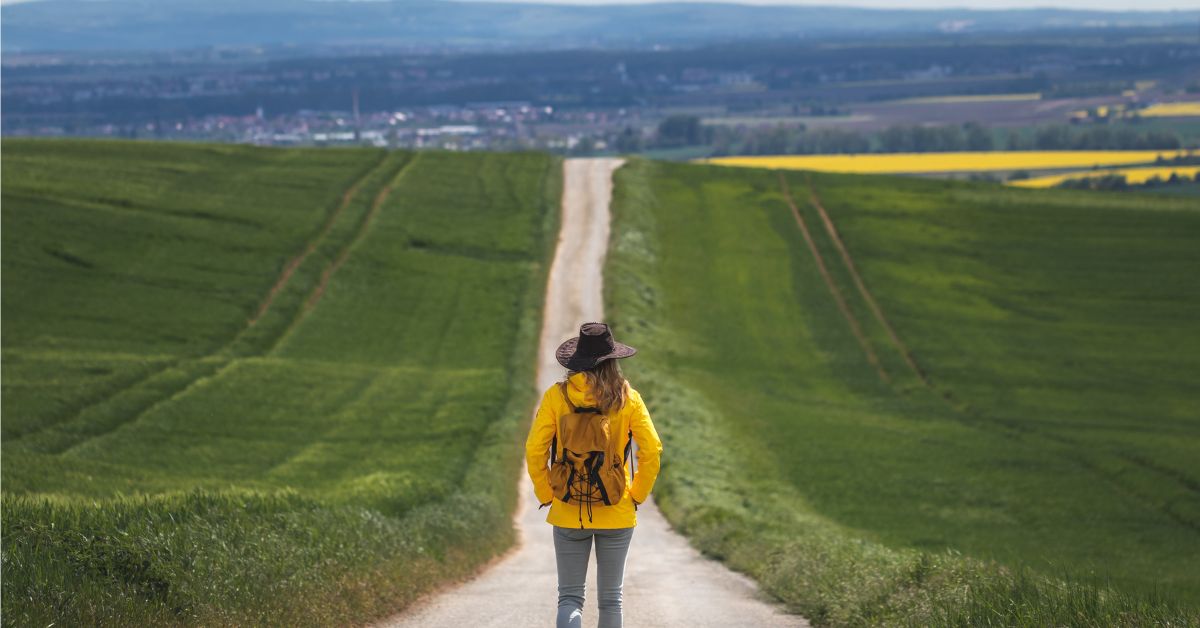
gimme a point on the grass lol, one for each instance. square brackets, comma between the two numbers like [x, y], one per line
[1038, 466]
[1176, 189]
[250, 386]
[967, 161]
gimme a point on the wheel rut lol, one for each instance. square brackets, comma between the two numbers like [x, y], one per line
[1070, 448]
[836, 238]
[855, 326]
[290, 268]
[128, 404]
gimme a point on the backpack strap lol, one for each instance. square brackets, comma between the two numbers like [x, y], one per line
[562, 386]
[567, 398]
[628, 453]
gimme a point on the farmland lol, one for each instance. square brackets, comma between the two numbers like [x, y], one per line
[1132, 175]
[984, 98]
[1171, 110]
[247, 385]
[975, 408]
[949, 162]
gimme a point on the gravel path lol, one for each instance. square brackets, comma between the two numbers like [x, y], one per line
[667, 582]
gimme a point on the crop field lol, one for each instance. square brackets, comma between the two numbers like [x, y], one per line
[946, 100]
[1171, 110]
[1132, 175]
[982, 161]
[246, 385]
[921, 402]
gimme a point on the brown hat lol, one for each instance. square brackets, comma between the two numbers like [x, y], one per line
[594, 345]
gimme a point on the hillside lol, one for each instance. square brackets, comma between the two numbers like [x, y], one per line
[247, 385]
[972, 404]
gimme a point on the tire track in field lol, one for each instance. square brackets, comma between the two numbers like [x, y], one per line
[855, 326]
[347, 196]
[858, 282]
[265, 304]
[1076, 450]
[216, 364]
[363, 227]
[314, 296]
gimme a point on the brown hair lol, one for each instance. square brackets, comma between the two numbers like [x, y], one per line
[607, 385]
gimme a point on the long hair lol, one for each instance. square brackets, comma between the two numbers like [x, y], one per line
[607, 385]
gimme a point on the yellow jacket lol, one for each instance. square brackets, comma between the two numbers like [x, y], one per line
[537, 456]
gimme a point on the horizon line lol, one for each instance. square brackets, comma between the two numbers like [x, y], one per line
[1085, 6]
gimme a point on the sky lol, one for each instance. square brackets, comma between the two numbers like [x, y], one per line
[1103, 5]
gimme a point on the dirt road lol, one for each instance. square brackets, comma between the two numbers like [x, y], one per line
[667, 582]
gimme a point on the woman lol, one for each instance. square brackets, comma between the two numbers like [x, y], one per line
[593, 381]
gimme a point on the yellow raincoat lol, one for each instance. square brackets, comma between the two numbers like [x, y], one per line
[537, 457]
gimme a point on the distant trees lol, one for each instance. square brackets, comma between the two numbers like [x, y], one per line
[1054, 137]
[1063, 137]
[680, 130]
[978, 137]
[786, 140]
[832, 141]
[922, 139]
[1014, 140]
[1119, 182]
[781, 139]
[628, 140]
[918, 138]
[1106, 182]
[773, 140]
[585, 146]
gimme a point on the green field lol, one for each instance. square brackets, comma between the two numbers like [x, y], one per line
[246, 385]
[1020, 448]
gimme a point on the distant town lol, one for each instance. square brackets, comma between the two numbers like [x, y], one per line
[864, 95]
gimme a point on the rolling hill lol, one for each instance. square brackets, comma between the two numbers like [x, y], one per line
[921, 402]
[289, 386]
[247, 385]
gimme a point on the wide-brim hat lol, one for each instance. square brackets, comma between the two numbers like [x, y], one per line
[594, 345]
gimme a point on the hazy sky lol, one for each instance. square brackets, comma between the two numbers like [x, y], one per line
[1104, 5]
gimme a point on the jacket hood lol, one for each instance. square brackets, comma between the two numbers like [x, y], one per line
[579, 392]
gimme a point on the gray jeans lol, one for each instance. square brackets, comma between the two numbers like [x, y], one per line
[572, 549]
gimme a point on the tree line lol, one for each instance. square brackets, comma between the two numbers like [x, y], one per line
[1119, 182]
[687, 130]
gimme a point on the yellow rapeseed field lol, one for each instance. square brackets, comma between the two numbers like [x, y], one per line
[894, 163]
[1132, 175]
[1171, 109]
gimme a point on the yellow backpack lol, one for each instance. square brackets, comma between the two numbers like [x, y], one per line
[588, 471]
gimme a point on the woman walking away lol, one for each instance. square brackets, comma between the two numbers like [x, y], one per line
[578, 454]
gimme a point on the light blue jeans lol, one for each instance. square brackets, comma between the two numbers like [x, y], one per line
[572, 549]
